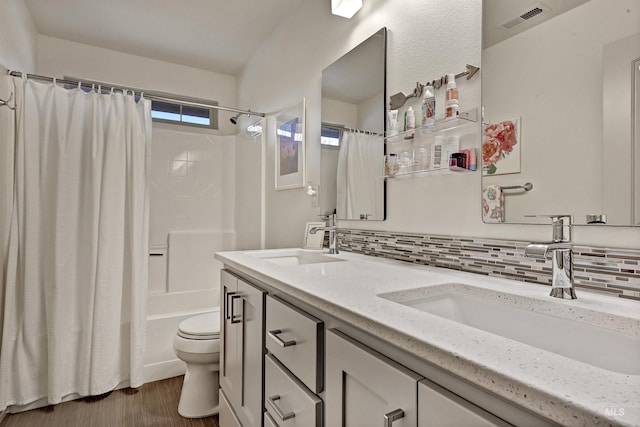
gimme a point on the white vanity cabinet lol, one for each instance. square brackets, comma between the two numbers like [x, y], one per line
[365, 388]
[321, 371]
[242, 349]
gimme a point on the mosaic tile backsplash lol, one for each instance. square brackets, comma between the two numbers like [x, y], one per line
[615, 272]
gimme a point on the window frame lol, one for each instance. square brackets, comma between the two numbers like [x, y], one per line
[340, 130]
[213, 113]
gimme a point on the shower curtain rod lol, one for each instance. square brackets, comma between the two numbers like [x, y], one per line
[154, 96]
[366, 132]
[343, 127]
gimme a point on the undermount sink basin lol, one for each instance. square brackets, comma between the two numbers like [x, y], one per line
[289, 257]
[547, 325]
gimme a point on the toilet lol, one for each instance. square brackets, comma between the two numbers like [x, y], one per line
[197, 343]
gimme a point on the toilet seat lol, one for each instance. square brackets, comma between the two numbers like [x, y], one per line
[202, 327]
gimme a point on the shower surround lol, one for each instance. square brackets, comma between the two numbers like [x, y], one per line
[191, 217]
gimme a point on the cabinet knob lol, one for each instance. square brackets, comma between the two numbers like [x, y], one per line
[275, 336]
[393, 416]
[283, 416]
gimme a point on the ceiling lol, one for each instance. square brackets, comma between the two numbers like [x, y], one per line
[215, 35]
[497, 12]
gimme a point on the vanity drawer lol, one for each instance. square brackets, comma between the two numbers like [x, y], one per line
[295, 339]
[287, 400]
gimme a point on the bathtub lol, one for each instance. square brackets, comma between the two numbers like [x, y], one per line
[174, 297]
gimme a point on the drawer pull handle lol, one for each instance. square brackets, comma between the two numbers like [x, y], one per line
[281, 414]
[275, 336]
[393, 416]
[235, 318]
[227, 305]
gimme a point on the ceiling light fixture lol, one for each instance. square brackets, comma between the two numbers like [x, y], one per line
[345, 8]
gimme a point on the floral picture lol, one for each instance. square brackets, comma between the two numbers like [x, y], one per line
[501, 148]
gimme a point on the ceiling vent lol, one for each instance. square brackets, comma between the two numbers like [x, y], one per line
[528, 14]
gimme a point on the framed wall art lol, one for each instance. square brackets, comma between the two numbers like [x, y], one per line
[290, 148]
[501, 147]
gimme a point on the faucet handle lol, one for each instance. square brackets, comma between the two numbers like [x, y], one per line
[326, 216]
[330, 217]
[561, 224]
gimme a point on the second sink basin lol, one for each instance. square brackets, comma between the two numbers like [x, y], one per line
[530, 321]
[291, 257]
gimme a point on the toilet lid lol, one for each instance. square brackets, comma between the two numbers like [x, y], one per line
[202, 327]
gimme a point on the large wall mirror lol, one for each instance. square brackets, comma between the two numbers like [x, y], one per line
[561, 103]
[353, 124]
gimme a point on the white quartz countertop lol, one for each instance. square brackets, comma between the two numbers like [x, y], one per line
[566, 391]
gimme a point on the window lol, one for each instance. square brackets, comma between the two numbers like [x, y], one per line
[169, 112]
[330, 135]
[163, 111]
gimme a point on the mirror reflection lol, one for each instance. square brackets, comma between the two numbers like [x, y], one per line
[353, 101]
[560, 88]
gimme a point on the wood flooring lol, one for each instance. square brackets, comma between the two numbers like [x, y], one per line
[152, 405]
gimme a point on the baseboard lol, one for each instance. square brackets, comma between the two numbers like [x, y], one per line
[163, 370]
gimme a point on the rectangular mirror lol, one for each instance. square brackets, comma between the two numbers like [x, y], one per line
[353, 125]
[560, 97]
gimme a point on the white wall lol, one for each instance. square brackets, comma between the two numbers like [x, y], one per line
[18, 37]
[426, 39]
[370, 115]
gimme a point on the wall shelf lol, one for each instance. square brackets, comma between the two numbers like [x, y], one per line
[427, 172]
[441, 124]
[408, 142]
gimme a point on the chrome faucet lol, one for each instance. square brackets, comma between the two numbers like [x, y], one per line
[561, 252]
[333, 233]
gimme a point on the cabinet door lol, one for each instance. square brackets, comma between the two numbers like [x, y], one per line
[230, 366]
[242, 340]
[268, 421]
[250, 311]
[438, 407]
[365, 388]
[226, 417]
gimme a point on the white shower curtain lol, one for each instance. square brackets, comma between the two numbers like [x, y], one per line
[360, 171]
[76, 259]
